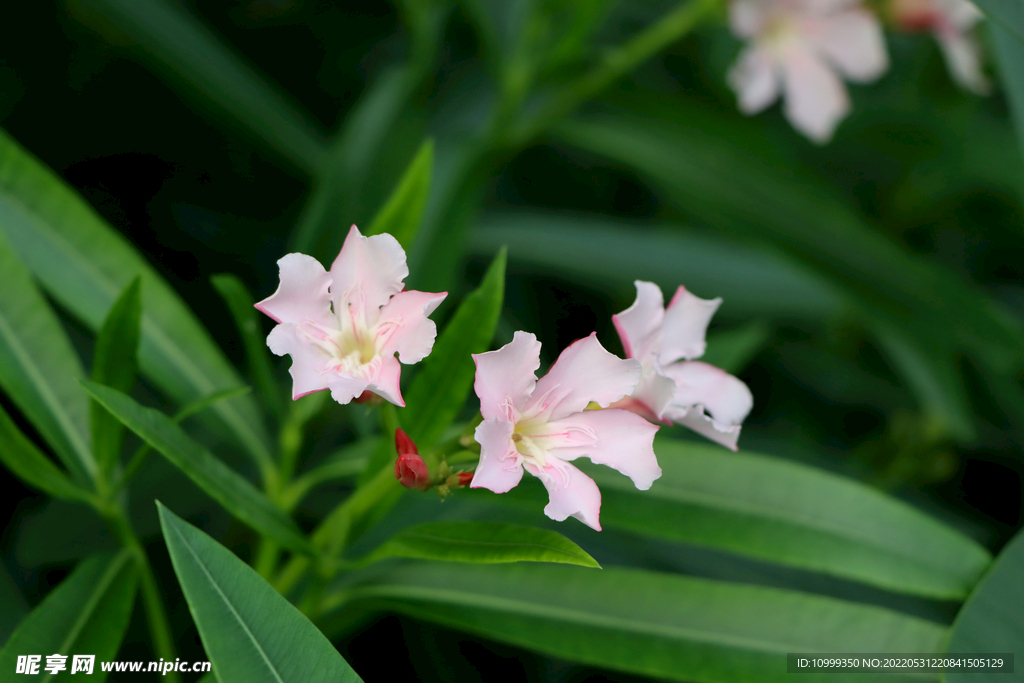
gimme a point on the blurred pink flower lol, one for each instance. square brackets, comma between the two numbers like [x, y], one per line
[796, 47]
[950, 21]
[343, 328]
[541, 425]
[674, 390]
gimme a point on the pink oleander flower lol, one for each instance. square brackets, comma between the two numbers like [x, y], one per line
[541, 425]
[796, 47]
[343, 328]
[950, 21]
[674, 388]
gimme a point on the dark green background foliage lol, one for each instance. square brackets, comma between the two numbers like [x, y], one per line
[873, 288]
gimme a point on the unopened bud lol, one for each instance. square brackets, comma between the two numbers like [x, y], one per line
[412, 472]
[403, 444]
[465, 478]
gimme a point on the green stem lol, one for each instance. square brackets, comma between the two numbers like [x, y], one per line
[616, 64]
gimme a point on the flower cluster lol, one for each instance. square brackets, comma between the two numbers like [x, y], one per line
[347, 329]
[800, 48]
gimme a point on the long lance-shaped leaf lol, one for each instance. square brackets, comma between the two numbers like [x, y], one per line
[784, 512]
[26, 461]
[402, 213]
[661, 625]
[992, 619]
[38, 368]
[609, 254]
[86, 615]
[223, 484]
[12, 604]
[481, 543]
[84, 264]
[1009, 52]
[250, 632]
[197, 63]
[115, 364]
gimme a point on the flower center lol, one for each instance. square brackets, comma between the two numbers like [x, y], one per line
[348, 350]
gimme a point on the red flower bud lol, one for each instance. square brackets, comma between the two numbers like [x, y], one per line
[403, 444]
[412, 472]
[465, 478]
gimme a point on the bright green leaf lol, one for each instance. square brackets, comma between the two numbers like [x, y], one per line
[115, 364]
[240, 303]
[481, 543]
[992, 619]
[223, 484]
[26, 461]
[250, 632]
[792, 514]
[84, 264]
[660, 625]
[403, 212]
[38, 367]
[87, 614]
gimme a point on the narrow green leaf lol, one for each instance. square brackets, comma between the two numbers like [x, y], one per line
[443, 383]
[86, 615]
[250, 632]
[84, 264]
[446, 378]
[660, 625]
[481, 543]
[196, 62]
[115, 364]
[223, 484]
[606, 253]
[402, 213]
[733, 349]
[38, 367]
[784, 512]
[23, 459]
[992, 619]
[1007, 13]
[240, 304]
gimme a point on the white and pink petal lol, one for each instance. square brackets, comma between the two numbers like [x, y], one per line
[404, 327]
[302, 293]
[367, 273]
[686, 324]
[639, 326]
[725, 397]
[506, 378]
[308, 363]
[616, 438]
[500, 467]
[570, 493]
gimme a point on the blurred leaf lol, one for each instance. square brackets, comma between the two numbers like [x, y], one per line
[38, 367]
[1007, 13]
[241, 305]
[115, 364]
[661, 625]
[84, 265]
[752, 282]
[23, 459]
[196, 62]
[791, 514]
[343, 193]
[481, 543]
[87, 614]
[733, 349]
[249, 631]
[347, 461]
[224, 485]
[992, 619]
[739, 193]
[402, 214]
[1008, 46]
